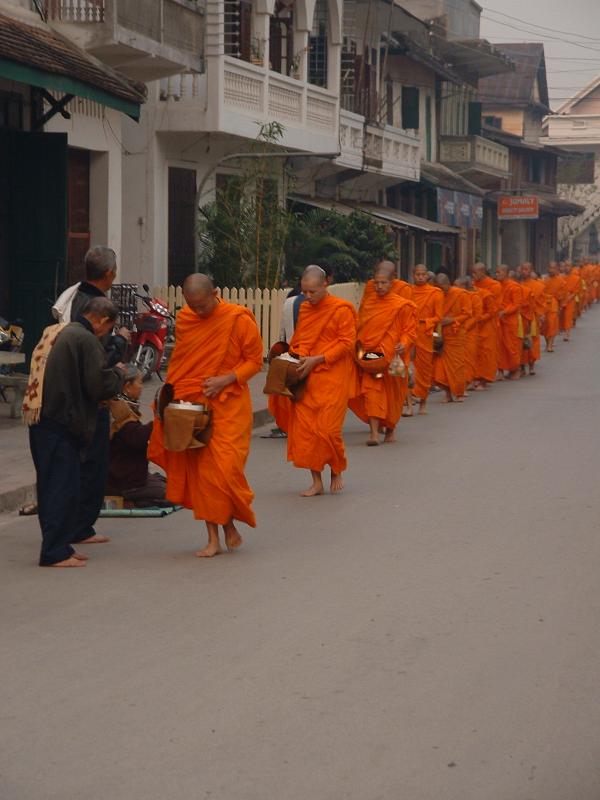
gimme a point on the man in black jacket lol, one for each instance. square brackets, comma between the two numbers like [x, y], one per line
[76, 380]
[100, 271]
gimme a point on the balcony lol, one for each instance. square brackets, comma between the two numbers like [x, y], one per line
[480, 160]
[236, 97]
[144, 39]
[380, 150]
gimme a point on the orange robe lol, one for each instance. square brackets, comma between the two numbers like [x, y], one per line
[449, 365]
[569, 310]
[537, 309]
[509, 343]
[472, 336]
[384, 322]
[210, 480]
[487, 352]
[555, 294]
[429, 301]
[527, 316]
[314, 422]
[493, 286]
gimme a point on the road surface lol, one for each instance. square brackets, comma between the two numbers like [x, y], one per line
[431, 634]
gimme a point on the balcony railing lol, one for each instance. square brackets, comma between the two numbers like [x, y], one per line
[476, 154]
[177, 24]
[385, 150]
[259, 95]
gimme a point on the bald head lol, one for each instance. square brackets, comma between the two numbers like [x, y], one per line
[420, 275]
[502, 272]
[479, 271]
[314, 272]
[200, 294]
[314, 284]
[443, 282]
[385, 268]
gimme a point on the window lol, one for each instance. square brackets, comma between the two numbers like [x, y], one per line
[348, 82]
[238, 29]
[537, 172]
[318, 41]
[410, 108]
[281, 38]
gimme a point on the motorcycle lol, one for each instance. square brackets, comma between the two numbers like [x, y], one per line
[11, 338]
[152, 333]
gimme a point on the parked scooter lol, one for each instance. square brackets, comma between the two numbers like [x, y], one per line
[11, 338]
[152, 332]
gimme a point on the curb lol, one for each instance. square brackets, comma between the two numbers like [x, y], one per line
[15, 498]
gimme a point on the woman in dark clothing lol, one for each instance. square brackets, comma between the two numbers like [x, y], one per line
[128, 473]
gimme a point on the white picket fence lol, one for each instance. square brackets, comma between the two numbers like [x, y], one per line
[265, 304]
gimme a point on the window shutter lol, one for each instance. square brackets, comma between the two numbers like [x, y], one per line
[410, 108]
[474, 119]
[245, 30]
[389, 102]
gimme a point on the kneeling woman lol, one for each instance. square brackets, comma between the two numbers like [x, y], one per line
[128, 473]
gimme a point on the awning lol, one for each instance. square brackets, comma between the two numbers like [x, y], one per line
[388, 216]
[396, 217]
[442, 177]
[38, 56]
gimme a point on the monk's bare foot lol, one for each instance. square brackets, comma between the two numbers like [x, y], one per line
[209, 551]
[68, 562]
[390, 436]
[460, 399]
[372, 442]
[480, 387]
[531, 371]
[233, 539]
[313, 491]
[97, 538]
[80, 556]
[337, 484]
[447, 398]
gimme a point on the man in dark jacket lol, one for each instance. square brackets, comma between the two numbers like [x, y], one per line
[100, 271]
[76, 380]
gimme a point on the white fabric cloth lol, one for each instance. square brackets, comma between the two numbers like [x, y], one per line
[61, 310]
[286, 330]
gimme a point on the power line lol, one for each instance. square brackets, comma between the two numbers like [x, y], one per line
[542, 27]
[546, 35]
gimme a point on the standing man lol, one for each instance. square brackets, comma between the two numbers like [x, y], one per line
[100, 272]
[217, 350]
[537, 308]
[555, 295]
[486, 364]
[509, 316]
[324, 340]
[398, 286]
[571, 306]
[386, 324]
[72, 373]
[429, 302]
[449, 365]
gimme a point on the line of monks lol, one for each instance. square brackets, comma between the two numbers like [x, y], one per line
[405, 340]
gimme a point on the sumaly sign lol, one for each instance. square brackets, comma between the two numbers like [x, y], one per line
[525, 207]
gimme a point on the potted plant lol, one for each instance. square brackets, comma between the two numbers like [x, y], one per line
[257, 52]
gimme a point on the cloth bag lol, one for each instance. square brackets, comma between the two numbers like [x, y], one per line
[185, 427]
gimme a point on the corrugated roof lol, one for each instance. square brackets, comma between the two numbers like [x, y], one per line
[517, 88]
[40, 47]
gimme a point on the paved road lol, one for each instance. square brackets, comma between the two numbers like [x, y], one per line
[431, 634]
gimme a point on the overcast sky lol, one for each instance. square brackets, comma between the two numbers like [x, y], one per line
[572, 46]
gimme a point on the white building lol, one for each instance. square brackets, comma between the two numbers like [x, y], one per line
[576, 127]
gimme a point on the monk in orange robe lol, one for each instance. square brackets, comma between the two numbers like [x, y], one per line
[536, 311]
[449, 365]
[386, 325]
[482, 280]
[217, 350]
[509, 315]
[569, 309]
[429, 302]
[486, 364]
[324, 339]
[555, 295]
[471, 330]
[398, 287]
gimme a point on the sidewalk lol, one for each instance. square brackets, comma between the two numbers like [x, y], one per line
[18, 477]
